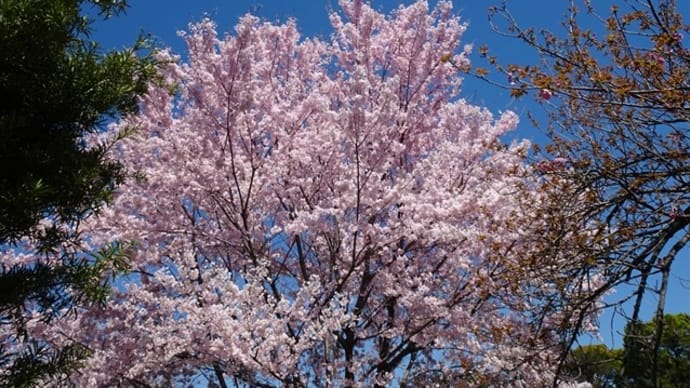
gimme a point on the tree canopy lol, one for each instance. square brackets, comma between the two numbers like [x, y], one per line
[310, 212]
[326, 213]
[633, 366]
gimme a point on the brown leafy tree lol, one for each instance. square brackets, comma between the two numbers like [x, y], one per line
[616, 88]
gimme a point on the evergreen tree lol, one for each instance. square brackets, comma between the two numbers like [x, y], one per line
[58, 89]
[632, 366]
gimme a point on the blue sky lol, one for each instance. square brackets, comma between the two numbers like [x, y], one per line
[163, 18]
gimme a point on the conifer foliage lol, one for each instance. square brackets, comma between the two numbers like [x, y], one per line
[57, 88]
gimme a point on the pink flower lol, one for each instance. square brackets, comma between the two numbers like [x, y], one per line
[545, 94]
[544, 166]
[556, 164]
[656, 57]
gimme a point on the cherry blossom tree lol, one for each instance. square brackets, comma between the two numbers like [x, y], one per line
[311, 213]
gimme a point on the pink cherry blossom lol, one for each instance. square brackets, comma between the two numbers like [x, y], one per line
[323, 213]
[553, 165]
[678, 37]
[657, 57]
[545, 94]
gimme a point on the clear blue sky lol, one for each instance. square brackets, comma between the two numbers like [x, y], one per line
[163, 18]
